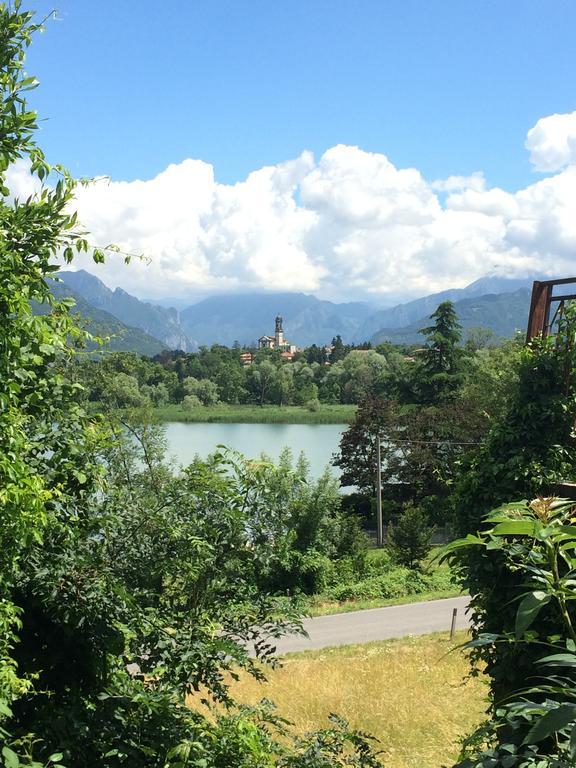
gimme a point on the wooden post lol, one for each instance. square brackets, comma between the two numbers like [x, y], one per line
[379, 521]
[453, 625]
[539, 308]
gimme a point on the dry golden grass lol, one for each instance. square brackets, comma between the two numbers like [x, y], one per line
[410, 693]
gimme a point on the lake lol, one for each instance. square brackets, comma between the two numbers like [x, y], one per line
[317, 441]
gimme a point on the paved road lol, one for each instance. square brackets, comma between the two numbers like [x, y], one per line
[377, 624]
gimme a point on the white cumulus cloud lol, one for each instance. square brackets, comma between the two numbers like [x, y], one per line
[346, 225]
[552, 142]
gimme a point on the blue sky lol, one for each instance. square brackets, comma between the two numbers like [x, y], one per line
[448, 86]
[347, 148]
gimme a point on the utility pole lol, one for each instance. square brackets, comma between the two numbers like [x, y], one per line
[379, 524]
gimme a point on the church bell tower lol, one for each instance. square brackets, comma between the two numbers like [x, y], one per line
[279, 335]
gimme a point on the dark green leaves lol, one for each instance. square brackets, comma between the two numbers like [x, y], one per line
[554, 720]
[529, 609]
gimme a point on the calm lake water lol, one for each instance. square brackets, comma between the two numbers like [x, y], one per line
[317, 441]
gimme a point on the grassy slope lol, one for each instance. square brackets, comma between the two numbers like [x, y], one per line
[412, 694]
[254, 414]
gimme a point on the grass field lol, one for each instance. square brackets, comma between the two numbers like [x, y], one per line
[412, 694]
[316, 605]
[254, 414]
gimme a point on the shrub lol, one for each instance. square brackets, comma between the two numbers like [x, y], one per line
[410, 537]
[396, 582]
[190, 402]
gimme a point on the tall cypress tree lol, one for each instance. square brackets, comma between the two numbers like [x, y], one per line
[438, 374]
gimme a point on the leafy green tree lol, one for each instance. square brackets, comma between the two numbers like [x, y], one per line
[364, 373]
[428, 448]
[491, 377]
[357, 451]
[480, 338]
[44, 433]
[205, 390]
[282, 389]
[260, 380]
[315, 354]
[122, 391]
[305, 388]
[301, 524]
[410, 537]
[529, 448]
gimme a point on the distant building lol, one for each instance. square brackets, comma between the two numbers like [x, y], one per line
[246, 358]
[278, 341]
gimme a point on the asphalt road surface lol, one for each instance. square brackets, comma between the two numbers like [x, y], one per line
[377, 624]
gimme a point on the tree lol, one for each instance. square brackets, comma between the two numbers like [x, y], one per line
[260, 380]
[529, 448]
[491, 377]
[338, 349]
[438, 371]
[205, 390]
[364, 373]
[427, 451]
[44, 434]
[357, 455]
[410, 537]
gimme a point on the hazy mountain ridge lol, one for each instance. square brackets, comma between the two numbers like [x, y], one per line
[98, 322]
[404, 315]
[156, 321]
[503, 313]
[246, 317]
[492, 302]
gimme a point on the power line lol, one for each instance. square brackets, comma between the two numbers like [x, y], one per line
[433, 442]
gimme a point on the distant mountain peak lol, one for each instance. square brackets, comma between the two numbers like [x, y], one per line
[156, 321]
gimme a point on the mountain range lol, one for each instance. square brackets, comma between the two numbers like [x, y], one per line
[98, 322]
[497, 303]
[502, 313]
[156, 321]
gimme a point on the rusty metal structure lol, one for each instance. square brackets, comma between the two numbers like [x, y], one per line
[541, 320]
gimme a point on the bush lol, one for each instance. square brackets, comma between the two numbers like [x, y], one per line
[309, 572]
[410, 537]
[396, 582]
[190, 402]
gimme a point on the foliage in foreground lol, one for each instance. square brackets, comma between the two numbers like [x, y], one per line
[123, 590]
[528, 450]
[162, 586]
[534, 726]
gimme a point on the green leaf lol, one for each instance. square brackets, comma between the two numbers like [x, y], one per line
[56, 757]
[486, 638]
[517, 528]
[550, 723]
[572, 745]
[559, 660]
[11, 759]
[528, 609]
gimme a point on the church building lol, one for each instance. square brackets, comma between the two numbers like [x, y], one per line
[277, 341]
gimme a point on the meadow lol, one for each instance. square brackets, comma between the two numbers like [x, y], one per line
[255, 414]
[415, 695]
